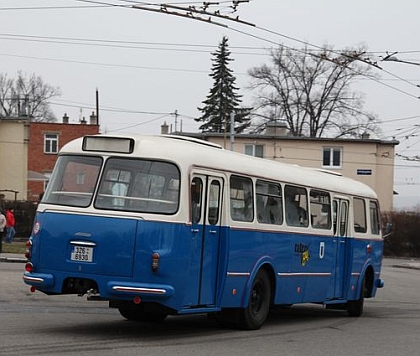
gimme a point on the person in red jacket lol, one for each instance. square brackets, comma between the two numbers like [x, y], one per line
[2, 228]
[10, 225]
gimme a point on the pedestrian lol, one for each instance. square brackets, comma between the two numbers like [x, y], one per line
[2, 229]
[10, 225]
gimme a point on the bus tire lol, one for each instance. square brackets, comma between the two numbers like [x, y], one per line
[255, 314]
[141, 315]
[355, 307]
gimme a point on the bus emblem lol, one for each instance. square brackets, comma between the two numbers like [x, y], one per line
[305, 258]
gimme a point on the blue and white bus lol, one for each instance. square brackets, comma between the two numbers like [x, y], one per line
[169, 225]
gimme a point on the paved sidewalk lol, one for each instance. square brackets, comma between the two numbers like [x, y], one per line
[12, 257]
[411, 265]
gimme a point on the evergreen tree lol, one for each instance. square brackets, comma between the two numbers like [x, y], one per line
[223, 98]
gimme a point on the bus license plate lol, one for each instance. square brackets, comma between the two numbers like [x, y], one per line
[82, 254]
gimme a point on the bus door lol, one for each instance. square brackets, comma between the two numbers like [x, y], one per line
[206, 203]
[340, 223]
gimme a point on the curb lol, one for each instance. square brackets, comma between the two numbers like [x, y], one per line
[408, 266]
[13, 259]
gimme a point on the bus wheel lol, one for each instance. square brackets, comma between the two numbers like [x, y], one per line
[255, 314]
[141, 315]
[355, 307]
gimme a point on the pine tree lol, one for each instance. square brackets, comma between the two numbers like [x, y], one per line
[223, 98]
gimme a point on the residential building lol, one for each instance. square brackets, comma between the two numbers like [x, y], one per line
[45, 141]
[370, 161]
[14, 135]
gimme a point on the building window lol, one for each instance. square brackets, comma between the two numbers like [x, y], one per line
[331, 157]
[254, 150]
[51, 143]
[80, 178]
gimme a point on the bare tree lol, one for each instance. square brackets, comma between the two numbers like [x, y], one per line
[27, 95]
[311, 92]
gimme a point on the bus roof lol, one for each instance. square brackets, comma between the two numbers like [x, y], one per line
[186, 152]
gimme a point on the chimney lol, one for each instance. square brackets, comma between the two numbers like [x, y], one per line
[365, 136]
[93, 119]
[83, 121]
[65, 119]
[276, 128]
[164, 129]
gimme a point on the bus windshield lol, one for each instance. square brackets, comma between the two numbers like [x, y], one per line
[126, 184]
[139, 185]
[73, 181]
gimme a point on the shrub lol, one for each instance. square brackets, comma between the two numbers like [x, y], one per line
[404, 240]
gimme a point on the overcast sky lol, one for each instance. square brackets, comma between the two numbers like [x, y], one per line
[147, 65]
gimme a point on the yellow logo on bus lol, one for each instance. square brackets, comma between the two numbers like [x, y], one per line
[305, 258]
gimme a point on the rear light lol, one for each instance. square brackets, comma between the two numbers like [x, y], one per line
[29, 267]
[155, 261]
[28, 249]
[36, 228]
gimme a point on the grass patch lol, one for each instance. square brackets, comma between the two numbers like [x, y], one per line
[14, 247]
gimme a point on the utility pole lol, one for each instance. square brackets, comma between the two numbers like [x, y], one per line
[232, 130]
[176, 120]
[97, 106]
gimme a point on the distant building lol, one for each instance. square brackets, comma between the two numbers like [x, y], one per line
[14, 137]
[45, 141]
[370, 161]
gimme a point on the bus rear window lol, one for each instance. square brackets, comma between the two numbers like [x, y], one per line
[139, 185]
[73, 181]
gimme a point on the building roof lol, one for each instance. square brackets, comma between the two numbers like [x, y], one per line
[205, 135]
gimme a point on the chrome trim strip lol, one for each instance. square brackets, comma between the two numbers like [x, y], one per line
[83, 243]
[238, 274]
[355, 274]
[316, 274]
[33, 279]
[139, 290]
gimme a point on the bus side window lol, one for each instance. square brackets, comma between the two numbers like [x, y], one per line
[320, 209]
[335, 217]
[343, 218]
[214, 202]
[359, 213]
[196, 199]
[269, 203]
[296, 204]
[241, 199]
[374, 217]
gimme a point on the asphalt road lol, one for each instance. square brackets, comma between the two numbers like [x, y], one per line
[36, 324]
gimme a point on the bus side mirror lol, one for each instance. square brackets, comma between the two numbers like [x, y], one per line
[388, 229]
